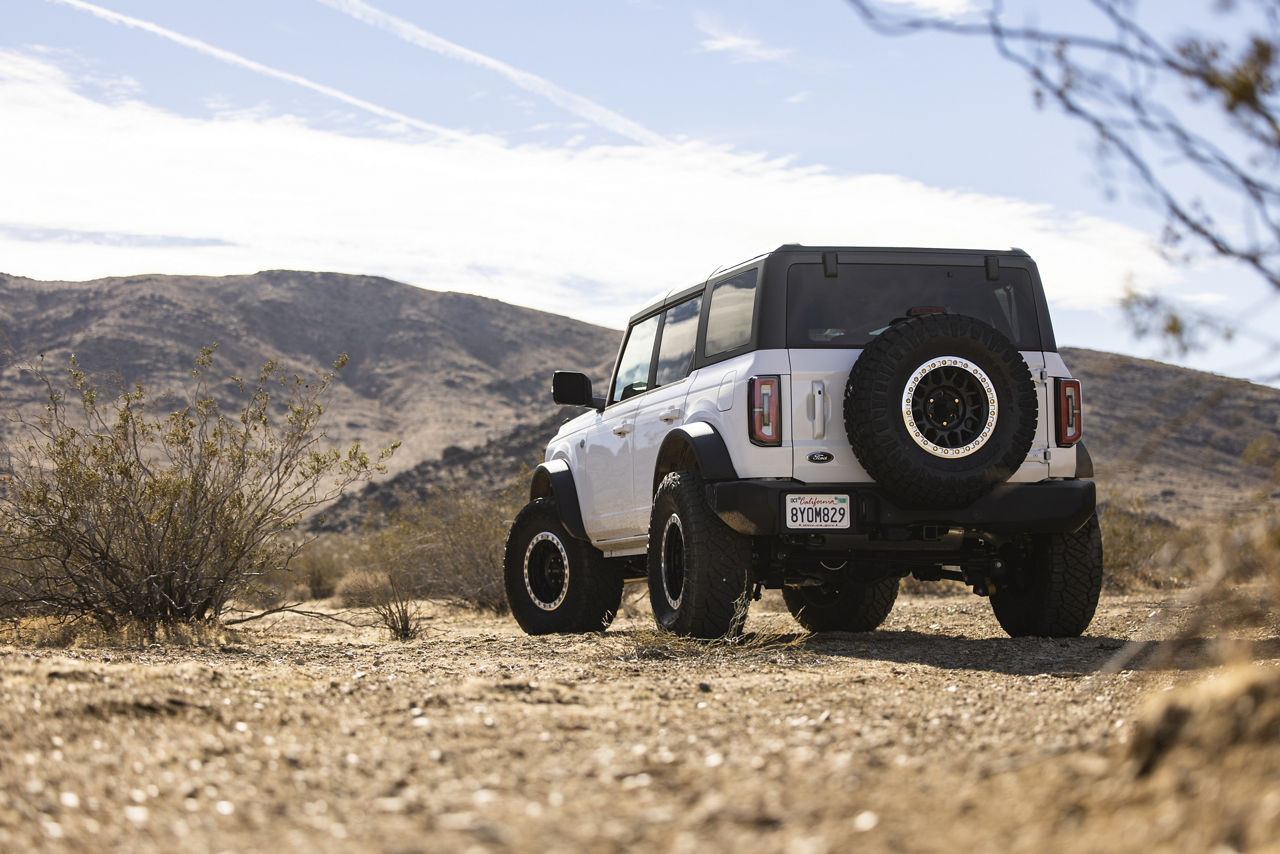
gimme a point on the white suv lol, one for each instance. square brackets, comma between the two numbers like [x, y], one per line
[824, 420]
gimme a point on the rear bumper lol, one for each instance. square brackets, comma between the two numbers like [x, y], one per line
[755, 507]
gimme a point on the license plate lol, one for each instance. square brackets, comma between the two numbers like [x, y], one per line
[807, 512]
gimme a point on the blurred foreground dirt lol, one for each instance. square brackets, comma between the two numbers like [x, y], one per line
[937, 733]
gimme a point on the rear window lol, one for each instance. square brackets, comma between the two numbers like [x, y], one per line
[864, 299]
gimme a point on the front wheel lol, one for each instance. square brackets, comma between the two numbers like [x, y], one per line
[1056, 592]
[842, 606]
[697, 564]
[556, 584]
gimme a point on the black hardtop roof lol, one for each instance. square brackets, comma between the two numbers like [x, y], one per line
[866, 253]
[897, 250]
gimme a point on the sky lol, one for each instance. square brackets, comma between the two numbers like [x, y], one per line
[575, 156]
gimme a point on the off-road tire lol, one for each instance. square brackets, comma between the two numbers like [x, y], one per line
[1056, 592]
[971, 454]
[698, 565]
[843, 606]
[556, 584]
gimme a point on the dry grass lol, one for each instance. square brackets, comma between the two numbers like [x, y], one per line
[53, 632]
[769, 631]
[1141, 550]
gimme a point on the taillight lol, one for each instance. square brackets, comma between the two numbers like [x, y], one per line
[1070, 422]
[765, 410]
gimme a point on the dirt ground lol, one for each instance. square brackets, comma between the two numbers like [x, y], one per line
[936, 733]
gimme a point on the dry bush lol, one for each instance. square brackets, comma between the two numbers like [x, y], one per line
[389, 596]
[449, 546]
[317, 570]
[357, 589]
[120, 510]
[1140, 549]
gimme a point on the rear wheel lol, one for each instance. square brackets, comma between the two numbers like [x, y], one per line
[697, 564]
[555, 583]
[842, 606]
[1056, 592]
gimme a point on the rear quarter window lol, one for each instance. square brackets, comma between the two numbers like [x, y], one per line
[731, 314]
[679, 338]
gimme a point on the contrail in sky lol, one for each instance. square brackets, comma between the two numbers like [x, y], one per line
[576, 104]
[243, 62]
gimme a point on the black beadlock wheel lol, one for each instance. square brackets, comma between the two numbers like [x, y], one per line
[556, 584]
[1056, 592]
[698, 565]
[842, 606]
[939, 409]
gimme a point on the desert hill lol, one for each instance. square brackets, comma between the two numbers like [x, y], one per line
[1175, 437]
[430, 368]
[464, 380]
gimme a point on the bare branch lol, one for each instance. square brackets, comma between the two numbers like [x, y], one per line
[1144, 98]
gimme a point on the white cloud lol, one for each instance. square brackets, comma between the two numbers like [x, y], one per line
[576, 104]
[739, 47]
[939, 8]
[799, 97]
[1205, 299]
[589, 231]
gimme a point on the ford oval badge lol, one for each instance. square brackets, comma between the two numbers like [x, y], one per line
[821, 457]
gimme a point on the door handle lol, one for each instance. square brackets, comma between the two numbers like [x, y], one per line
[819, 409]
[670, 416]
[622, 430]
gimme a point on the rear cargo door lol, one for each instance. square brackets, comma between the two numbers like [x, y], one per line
[820, 446]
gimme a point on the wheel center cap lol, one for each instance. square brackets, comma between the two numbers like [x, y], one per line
[944, 407]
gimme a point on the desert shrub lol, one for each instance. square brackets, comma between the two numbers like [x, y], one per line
[389, 595]
[450, 545]
[1140, 549]
[317, 569]
[468, 534]
[355, 589]
[119, 510]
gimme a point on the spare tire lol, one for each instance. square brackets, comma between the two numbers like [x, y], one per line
[939, 409]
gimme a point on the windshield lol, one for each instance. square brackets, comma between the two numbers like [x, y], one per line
[864, 299]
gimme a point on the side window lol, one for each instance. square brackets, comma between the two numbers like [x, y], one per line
[635, 361]
[679, 337]
[729, 320]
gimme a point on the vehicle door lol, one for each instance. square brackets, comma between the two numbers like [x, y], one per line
[604, 478]
[663, 407]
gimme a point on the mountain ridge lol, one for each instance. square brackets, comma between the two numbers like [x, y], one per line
[430, 368]
[464, 380]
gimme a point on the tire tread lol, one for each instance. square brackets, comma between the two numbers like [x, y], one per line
[595, 589]
[1060, 598]
[717, 558]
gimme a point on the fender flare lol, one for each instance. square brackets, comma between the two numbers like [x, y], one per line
[698, 446]
[554, 479]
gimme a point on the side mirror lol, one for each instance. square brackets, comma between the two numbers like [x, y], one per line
[571, 388]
